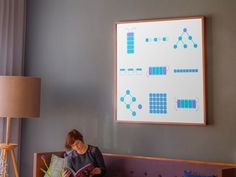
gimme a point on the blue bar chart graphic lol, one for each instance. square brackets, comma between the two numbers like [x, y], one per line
[130, 43]
[186, 104]
[157, 70]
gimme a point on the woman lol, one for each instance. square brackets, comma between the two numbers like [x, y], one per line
[83, 155]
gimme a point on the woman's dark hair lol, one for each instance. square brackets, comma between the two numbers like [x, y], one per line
[71, 137]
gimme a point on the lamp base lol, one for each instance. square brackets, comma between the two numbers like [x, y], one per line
[6, 148]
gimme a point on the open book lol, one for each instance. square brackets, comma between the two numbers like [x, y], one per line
[82, 172]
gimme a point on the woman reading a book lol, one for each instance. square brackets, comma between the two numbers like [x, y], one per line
[83, 160]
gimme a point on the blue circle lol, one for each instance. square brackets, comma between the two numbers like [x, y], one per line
[147, 40]
[195, 45]
[150, 111]
[133, 99]
[155, 39]
[150, 103]
[161, 111]
[140, 106]
[175, 46]
[164, 38]
[127, 106]
[158, 111]
[190, 37]
[185, 30]
[175, 70]
[180, 38]
[122, 99]
[127, 92]
[185, 46]
[165, 111]
[150, 95]
[134, 113]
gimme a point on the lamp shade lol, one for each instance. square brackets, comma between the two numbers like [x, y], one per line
[19, 96]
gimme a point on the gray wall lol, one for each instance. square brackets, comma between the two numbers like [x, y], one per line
[70, 46]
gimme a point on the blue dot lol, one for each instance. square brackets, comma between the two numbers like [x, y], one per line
[122, 99]
[154, 111]
[127, 106]
[164, 38]
[185, 30]
[155, 39]
[150, 111]
[175, 70]
[185, 46]
[175, 46]
[180, 38]
[158, 111]
[133, 99]
[147, 40]
[127, 92]
[161, 111]
[195, 45]
[165, 94]
[150, 95]
[134, 113]
[190, 37]
[140, 106]
[165, 111]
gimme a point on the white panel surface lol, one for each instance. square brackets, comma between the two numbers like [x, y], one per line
[160, 71]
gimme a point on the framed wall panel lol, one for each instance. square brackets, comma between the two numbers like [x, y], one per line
[160, 71]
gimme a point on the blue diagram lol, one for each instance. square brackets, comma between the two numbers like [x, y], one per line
[131, 71]
[181, 40]
[186, 104]
[157, 103]
[193, 70]
[156, 39]
[161, 70]
[130, 43]
[128, 100]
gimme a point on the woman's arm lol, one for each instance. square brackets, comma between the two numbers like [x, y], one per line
[99, 162]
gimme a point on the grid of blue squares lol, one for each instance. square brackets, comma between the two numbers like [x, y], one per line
[157, 70]
[130, 42]
[189, 104]
[185, 70]
[158, 103]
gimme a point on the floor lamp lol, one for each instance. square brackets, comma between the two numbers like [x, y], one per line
[19, 98]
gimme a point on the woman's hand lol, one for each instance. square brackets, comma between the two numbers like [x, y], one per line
[66, 173]
[96, 171]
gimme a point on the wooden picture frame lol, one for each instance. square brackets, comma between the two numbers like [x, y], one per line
[159, 71]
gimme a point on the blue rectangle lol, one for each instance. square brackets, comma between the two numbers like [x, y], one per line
[150, 71]
[130, 51]
[178, 104]
[130, 42]
[194, 104]
[130, 38]
[182, 103]
[130, 34]
[164, 70]
[160, 70]
[130, 47]
[186, 103]
[190, 103]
